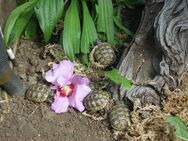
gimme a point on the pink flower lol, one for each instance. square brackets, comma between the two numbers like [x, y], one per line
[70, 89]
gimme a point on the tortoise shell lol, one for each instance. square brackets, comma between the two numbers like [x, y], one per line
[102, 56]
[38, 92]
[55, 51]
[96, 101]
[119, 117]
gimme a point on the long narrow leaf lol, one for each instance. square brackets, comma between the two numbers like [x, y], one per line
[31, 29]
[84, 59]
[105, 19]
[117, 78]
[9, 25]
[20, 24]
[181, 129]
[70, 37]
[49, 13]
[89, 33]
[120, 26]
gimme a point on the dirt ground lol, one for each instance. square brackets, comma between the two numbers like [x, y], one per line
[23, 120]
[27, 121]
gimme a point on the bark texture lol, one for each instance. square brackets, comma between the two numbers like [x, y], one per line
[158, 53]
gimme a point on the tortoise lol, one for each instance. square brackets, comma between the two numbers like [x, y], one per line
[96, 101]
[99, 102]
[102, 56]
[55, 51]
[119, 117]
[39, 93]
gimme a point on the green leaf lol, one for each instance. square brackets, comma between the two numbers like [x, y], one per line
[89, 33]
[181, 129]
[120, 26]
[84, 59]
[105, 19]
[20, 24]
[49, 13]
[70, 37]
[12, 19]
[117, 78]
[31, 29]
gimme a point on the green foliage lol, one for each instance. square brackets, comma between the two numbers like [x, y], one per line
[89, 33]
[118, 24]
[31, 29]
[84, 22]
[84, 58]
[20, 24]
[105, 19]
[70, 37]
[117, 78]
[48, 13]
[181, 129]
[11, 33]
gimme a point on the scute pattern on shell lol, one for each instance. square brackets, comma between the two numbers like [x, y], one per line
[38, 92]
[55, 51]
[119, 117]
[102, 56]
[96, 101]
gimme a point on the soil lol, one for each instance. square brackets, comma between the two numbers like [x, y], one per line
[28, 121]
[23, 120]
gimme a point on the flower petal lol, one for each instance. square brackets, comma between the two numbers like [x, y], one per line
[64, 69]
[67, 69]
[61, 81]
[60, 104]
[77, 79]
[79, 93]
[50, 77]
